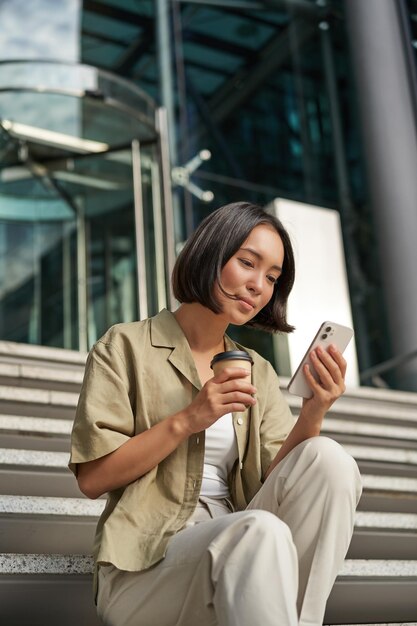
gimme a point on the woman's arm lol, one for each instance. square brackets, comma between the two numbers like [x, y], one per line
[133, 458]
[331, 368]
[230, 391]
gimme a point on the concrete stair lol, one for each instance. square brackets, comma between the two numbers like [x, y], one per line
[47, 526]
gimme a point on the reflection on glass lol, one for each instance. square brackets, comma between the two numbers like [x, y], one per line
[68, 210]
[68, 248]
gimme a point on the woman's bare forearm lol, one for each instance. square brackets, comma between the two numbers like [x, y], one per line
[134, 458]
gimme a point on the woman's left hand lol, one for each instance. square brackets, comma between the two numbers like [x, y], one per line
[331, 368]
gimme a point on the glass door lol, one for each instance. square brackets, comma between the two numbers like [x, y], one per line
[86, 235]
[81, 247]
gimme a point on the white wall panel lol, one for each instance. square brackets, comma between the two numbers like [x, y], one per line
[321, 289]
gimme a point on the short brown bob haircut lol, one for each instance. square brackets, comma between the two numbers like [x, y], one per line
[209, 248]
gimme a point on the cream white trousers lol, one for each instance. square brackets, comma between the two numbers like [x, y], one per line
[271, 565]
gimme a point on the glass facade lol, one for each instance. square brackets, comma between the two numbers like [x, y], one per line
[70, 212]
[267, 87]
[262, 87]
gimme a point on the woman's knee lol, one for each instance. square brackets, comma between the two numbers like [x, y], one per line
[266, 525]
[334, 464]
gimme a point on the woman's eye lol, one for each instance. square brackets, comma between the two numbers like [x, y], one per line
[272, 279]
[246, 262]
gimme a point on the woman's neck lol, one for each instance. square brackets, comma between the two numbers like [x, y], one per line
[203, 329]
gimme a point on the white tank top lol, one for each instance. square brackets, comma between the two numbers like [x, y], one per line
[220, 455]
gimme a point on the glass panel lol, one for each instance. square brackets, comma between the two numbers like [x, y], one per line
[38, 296]
[153, 228]
[67, 204]
[105, 192]
[75, 99]
[55, 268]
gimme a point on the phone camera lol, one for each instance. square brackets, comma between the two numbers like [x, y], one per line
[328, 329]
[324, 336]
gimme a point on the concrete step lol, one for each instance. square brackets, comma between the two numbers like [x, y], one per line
[12, 352]
[374, 591]
[30, 442]
[37, 402]
[36, 590]
[368, 397]
[29, 472]
[37, 473]
[389, 411]
[10, 457]
[38, 524]
[384, 461]
[398, 435]
[388, 494]
[384, 536]
[35, 433]
[41, 376]
[18, 424]
[39, 482]
[53, 434]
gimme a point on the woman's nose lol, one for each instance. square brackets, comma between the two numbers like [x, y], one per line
[255, 285]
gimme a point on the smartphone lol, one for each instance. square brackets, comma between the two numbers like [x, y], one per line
[329, 332]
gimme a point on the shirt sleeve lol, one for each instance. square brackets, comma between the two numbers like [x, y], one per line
[277, 420]
[104, 418]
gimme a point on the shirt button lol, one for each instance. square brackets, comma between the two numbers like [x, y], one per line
[198, 440]
[240, 421]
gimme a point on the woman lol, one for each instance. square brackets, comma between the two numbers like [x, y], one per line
[221, 510]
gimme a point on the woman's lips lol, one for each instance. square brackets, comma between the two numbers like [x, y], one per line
[246, 305]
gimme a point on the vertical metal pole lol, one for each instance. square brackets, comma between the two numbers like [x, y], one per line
[82, 280]
[66, 285]
[307, 154]
[158, 235]
[107, 253]
[161, 124]
[139, 231]
[166, 83]
[36, 318]
[389, 126]
[346, 208]
[3, 248]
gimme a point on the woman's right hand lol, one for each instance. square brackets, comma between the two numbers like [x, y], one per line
[231, 391]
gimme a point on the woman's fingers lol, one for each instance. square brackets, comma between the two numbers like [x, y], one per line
[230, 373]
[331, 367]
[338, 357]
[228, 392]
[233, 385]
[237, 385]
[237, 396]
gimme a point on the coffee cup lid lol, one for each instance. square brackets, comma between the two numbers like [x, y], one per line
[241, 355]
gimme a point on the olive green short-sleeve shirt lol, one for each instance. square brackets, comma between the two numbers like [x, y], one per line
[136, 375]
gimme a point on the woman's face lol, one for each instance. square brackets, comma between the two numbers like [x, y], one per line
[251, 274]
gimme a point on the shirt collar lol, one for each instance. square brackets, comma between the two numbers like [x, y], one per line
[167, 333]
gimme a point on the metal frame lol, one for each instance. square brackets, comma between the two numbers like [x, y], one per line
[161, 124]
[139, 230]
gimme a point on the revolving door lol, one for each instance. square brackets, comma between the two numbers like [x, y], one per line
[86, 233]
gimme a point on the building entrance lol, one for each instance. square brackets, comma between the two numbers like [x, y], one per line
[85, 211]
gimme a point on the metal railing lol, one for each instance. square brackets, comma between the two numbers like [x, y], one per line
[373, 374]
